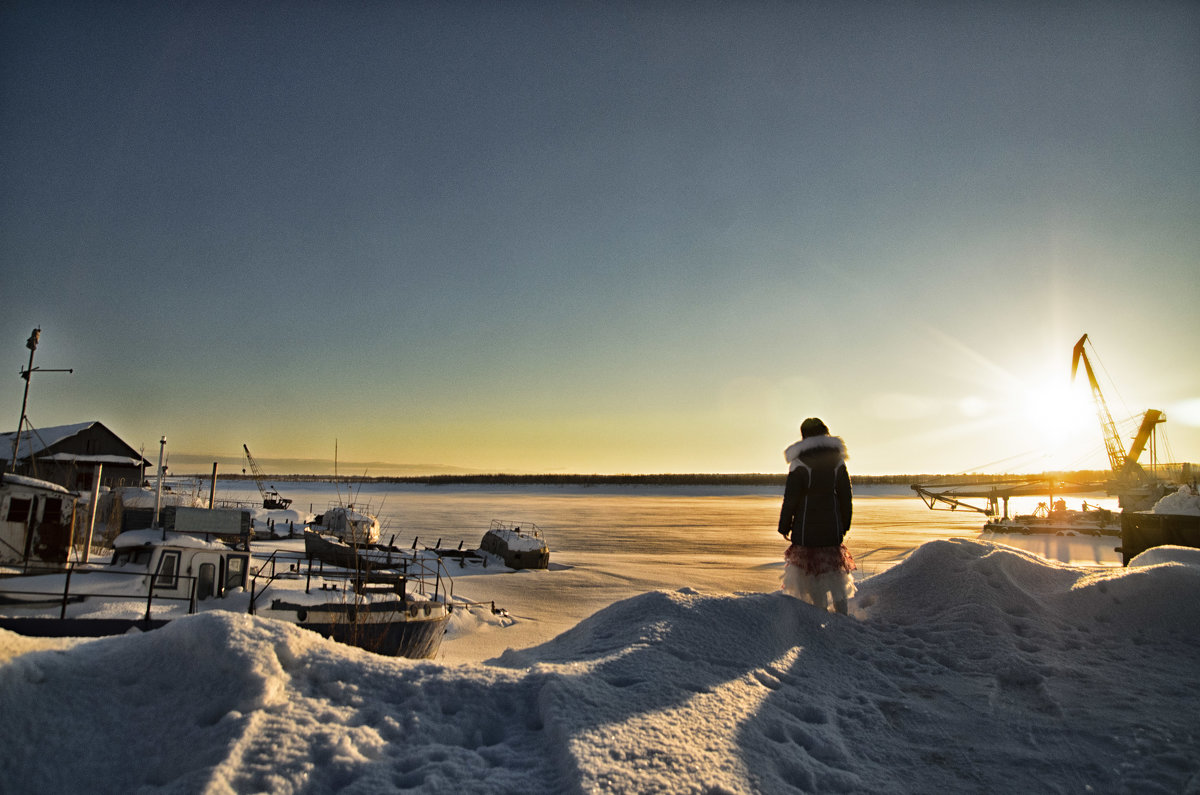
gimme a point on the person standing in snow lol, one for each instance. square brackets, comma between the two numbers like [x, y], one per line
[816, 517]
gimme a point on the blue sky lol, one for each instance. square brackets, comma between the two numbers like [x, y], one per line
[603, 237]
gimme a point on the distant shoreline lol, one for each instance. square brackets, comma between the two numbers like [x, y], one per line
[692, 479]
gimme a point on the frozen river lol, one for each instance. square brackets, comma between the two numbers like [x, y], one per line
[611, 543]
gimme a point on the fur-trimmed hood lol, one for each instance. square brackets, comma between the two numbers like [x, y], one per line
[793, 452]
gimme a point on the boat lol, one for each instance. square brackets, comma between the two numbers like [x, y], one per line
[37, 523]
[393, 627]
[1059, 520]
[158, 575]
[347, 524]
[336, 552]
[1174, 520]
[1050, 517]
[519, 545]
[149, 568]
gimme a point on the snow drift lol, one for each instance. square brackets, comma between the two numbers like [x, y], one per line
[971, 666]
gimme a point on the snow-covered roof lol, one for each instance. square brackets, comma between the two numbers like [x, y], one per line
[33, 483]
[35, 440]
[137, 538]
[38, 439]
[92, 459]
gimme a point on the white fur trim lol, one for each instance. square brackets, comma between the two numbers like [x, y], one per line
[792, 453]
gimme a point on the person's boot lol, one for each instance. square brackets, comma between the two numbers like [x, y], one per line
[841, 606]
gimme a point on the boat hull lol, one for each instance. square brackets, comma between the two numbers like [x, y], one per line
[412, 629]
[1144, 530]
[514, 556]
[78, 627]
[415, 638]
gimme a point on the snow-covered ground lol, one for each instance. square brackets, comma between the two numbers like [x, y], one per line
[968, 667]
[656, 655]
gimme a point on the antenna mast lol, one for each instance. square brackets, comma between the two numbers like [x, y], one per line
[27, 374]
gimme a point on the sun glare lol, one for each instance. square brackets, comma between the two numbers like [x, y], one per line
[1057, 415]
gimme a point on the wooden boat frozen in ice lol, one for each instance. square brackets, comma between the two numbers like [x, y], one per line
[520, 545]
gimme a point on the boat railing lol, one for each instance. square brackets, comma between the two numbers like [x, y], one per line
[405, 572]
[271, 565]
[159, 582]
[528, 528]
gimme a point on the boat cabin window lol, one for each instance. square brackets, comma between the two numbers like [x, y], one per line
[168, 567]
[52, 511]
[19, 509]
[134, 555]
[235, 572]
[206, 581]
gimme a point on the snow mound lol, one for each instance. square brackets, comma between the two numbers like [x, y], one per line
[1185, 501]
[969, 667]
[1188, 556]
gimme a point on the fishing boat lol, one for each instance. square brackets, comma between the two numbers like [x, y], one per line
[152, 574]
[391, 627]
[37, 523]
[346, 523]
[157, 575]
[336, 552]
[519, 545]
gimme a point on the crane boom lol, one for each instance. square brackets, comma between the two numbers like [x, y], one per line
[1124, 466]
[1151, 418]
[1112, 439]
[271, 498]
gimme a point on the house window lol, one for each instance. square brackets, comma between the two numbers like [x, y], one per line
[168, 567]
[18, 509]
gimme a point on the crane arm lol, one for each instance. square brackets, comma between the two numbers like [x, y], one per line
[1151, 418]
[1112, 439]
[271, 498]
[255, 471]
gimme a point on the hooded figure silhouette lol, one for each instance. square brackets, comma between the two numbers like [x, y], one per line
[815, 517]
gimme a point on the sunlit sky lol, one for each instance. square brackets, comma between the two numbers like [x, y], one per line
[602, 237]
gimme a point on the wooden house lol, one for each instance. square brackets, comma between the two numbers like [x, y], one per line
[69, 455]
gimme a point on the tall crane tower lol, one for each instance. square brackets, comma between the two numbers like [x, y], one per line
[271, 499]
[1125, 467]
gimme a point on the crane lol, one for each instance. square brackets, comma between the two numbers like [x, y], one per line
[1124, 465]
[271, 498]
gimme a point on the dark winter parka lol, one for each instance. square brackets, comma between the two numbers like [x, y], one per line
[816, 501]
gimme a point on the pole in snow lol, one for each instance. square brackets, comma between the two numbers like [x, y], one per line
[162, 445]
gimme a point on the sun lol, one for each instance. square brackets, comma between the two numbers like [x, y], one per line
[1059, 414]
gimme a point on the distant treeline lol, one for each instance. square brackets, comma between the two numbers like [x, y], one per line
[695, 479]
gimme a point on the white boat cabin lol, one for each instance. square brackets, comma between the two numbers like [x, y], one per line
[37, 520]
[351, 526]
[173, 563]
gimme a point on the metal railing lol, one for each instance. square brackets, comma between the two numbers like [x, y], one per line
[404, 571]
[153, 591]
